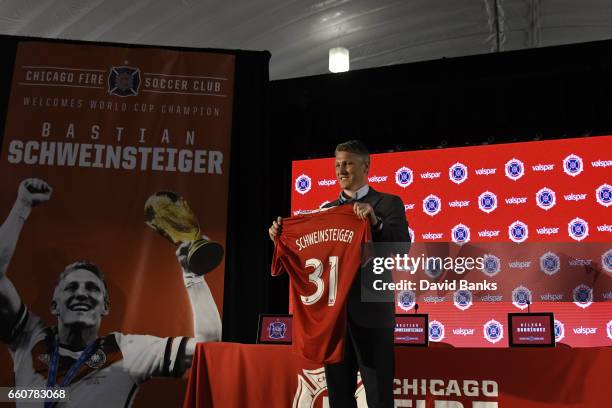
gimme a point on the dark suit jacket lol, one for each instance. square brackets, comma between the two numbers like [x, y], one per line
[390, 209]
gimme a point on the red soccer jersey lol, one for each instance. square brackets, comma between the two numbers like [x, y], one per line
[321, 252]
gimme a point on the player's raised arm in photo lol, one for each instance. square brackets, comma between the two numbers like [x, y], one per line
[206, 318]
[31, 192]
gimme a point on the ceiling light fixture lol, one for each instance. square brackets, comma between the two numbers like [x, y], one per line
[338, 59]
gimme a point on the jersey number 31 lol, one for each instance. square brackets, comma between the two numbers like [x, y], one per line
[315, 277]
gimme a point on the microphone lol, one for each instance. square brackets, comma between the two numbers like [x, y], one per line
[416, 308]
[528, 306]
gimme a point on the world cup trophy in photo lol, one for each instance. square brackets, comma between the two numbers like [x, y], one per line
[169, 214]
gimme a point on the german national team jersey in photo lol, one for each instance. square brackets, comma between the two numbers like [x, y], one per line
[321, 252]
[109, 378]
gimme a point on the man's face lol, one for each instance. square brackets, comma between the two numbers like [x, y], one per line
[79, 299]
[351, 170]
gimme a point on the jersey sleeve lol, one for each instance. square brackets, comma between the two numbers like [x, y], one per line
[277, 264]
[146, 356]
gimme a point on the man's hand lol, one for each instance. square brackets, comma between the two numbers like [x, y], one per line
[365, 211]
[276, 228]
[33, 191]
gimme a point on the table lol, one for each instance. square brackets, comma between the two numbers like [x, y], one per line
[249, 375]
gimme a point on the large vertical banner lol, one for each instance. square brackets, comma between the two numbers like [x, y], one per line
[107, 127]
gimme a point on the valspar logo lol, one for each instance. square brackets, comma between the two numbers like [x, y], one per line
[575, 197]
[432, 235]
[487, 202]
[488, 233]
[377, 179]
[403, 177]
[572, 165]
[604, 195]
[578, 229]
[327, 182]
[485, 172]
[543, 167]
[408, 207]
[459, 204]
[547, 231]
[430, 175]
[585, 331]
[601, 163]
[546, 198]
[604, 228]
[303, 183]
[515, 169]
[459, 331]
[516, 200]
[458, 173]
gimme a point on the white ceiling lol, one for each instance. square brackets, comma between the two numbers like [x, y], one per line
[299, 33]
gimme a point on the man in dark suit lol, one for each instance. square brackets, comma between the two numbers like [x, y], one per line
[369, 345]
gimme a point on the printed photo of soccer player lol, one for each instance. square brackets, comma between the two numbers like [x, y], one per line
[100, 370]
[369, 348]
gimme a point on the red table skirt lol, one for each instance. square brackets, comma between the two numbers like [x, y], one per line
[245, 375]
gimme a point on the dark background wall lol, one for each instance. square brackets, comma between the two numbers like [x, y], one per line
[526, 95]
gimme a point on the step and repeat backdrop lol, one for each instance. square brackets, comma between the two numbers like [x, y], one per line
[557, 192]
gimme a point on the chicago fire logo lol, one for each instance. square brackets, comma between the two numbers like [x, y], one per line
[518, 231]
[432, 205]
[303, 184]
[604, 195]
[406, 300]
[462, 299]
[606, 260]
[609, 329]
[559, 331]
[436, 331]
[583, 296]
[487, 202]
[460, 234]
[515, 169]
[311, 390]
[521, 297]
[493, 331]
[578, 229]
[124, 81]
[491, 265]
[572, 165]
[277, 330]
[403, 177]
[550, 263]
[546, 198]
[458, 173]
